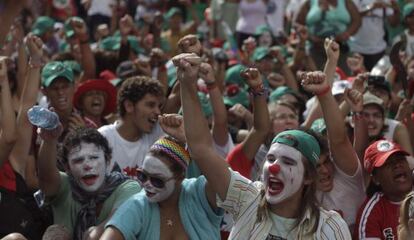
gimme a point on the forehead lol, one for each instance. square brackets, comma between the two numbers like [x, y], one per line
[282, 150]
[154, 165]
[395, 158]
[59, 81]
[372, 108]
[278, 109]
[84, 148]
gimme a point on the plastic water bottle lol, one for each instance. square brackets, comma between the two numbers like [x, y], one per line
[43, 118]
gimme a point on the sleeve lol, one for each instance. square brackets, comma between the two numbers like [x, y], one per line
[200, 190]
[368, 222]
[239, 162]
[126, 190]
[335, 227]
[63, 192]
[127, 219]
[224, 150]
[241, 193]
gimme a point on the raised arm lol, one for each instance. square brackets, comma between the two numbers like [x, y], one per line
[220, 130]
[8, 118]
[48, 173]
[196, 130]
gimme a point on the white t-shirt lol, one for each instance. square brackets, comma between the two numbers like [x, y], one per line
[129, 154]
[276, 15]
[224, 150]
[346, 196]
[251, 15]
[370, 36]
[102, 7]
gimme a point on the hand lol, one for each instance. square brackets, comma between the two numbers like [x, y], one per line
[207, 73]
[126, 24]
[343, 37]
[190, 44]
[252, 77]
[404, 109]
[315, 82]
[239, 111]
[188, 65]
[276, 52]
[76, 121]
[50, 135]
[355, 99]
[359, 82]
[35, 46]
[3, 68]
[17, 32]
[173, 125]
[355, 63]
[144, 67]
[302, 32]
[331, 49]
[157, 57]
[80, 29]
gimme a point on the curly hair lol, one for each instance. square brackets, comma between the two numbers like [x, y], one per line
[84, 135]
[135, 88]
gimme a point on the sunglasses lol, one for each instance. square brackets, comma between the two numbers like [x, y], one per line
[155, 181]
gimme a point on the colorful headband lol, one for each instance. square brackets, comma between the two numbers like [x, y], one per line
[173, 150]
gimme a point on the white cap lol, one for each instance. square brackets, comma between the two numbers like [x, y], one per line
[339, 87]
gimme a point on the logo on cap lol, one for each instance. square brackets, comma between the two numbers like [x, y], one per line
[384, 146]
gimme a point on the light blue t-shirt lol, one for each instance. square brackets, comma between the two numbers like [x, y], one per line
[138, 218]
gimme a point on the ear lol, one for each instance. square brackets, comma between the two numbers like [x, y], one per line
[44, 91]
[129, 106]
[375, 180]
[66, 167]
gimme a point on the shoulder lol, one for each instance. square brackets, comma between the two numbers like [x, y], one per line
[107, 129]
[333, 225]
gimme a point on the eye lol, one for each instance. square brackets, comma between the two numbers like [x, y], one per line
[271, 158]
[289, 162]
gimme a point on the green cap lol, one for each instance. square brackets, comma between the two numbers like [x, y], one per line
[260, 53]
[42, 25]
[69, 32]
[233, 75]
[113, 43]
[408, 9]
[319, 126]
[301, 141]
[280, 92]
[236, 94]
[262, 29]
[205, 104]
[172, 12]
[74, 65]
[54, 70]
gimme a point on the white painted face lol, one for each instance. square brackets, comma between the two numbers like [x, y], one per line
[155, 168]
[265, 40]
[88, 166]
[283, 172]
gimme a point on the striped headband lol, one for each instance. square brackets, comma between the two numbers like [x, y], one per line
[173, 150]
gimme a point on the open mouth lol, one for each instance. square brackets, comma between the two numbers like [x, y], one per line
[153, 120]
[89, 179]
[400, 177]
[275, 186]
[149, 194]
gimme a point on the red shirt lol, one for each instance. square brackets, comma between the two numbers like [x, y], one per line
[7, 177]
[239, 162]
[377, 218]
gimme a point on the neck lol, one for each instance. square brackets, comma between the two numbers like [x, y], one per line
[127, 130]
[172, 201]
[395, 197]
[96, 119]
[289, 208]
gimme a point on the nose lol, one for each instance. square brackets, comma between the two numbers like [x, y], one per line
[274, 169]
[158, 111]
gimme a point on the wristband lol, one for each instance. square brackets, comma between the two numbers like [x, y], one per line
[259, 91]
[323, 92]
[356, 115]
[35, 64]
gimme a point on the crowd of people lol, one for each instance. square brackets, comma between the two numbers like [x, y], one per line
[196, 119]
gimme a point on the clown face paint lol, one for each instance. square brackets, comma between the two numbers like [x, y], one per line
[154, 167]
[87, 165]
[283, 172]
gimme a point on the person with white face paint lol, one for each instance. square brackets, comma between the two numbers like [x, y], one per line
[84, 196]
[283, 206]
[169, 207]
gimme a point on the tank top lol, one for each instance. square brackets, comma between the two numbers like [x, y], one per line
[251, 15]
[328, 23]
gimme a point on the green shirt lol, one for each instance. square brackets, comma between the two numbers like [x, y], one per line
[65, 208]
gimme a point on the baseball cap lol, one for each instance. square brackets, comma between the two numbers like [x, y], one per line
[378, 152]
[113, 43]
[319, 126]
[54, 70]
[260, 53]
[262, 29]
[235, 94]
[279, 92]
[126, 69]
[42, 25]
[370, 98]
[69, 32]
[301, 141]
[408, 9]
[173, 11]
[338, 87]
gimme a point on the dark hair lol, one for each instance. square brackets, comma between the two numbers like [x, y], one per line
[84, 135]
[174, 166]
[135, 88]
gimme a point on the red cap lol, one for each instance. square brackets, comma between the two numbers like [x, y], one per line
[378, 152]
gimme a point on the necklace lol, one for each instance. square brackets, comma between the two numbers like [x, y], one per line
[170, 222]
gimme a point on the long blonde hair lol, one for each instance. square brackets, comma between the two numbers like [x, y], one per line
[406, 213]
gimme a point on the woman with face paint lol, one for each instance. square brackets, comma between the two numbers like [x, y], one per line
[169, 207]
[283, 206]
[84, 196]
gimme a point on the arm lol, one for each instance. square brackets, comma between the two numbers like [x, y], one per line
[402, 137]
[8, 118]
[88, 59]
[173, 103]
[394, 19]
[220, 131]
[48, 174]
[10, 10]
[111, 233]
[197, 133]
[303, 12]
[355, 22]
